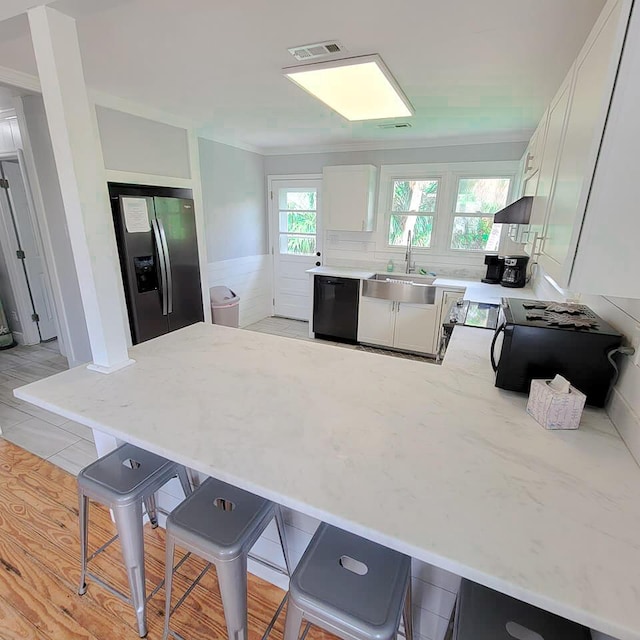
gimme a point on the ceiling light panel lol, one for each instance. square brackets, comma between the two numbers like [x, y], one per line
[359, 88]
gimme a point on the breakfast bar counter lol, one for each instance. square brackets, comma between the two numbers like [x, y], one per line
[432, 461]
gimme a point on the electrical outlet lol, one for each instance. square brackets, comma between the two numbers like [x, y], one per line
[635, 343]
[14, 316]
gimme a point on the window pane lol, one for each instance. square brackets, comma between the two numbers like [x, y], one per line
[297, 245]
[482, 195]
[420, 226]
[414, 195]
[297, 199]
[474, 233]
[298, 221]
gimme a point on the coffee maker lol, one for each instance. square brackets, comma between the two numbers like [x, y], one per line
[515, 271]
[495, 267]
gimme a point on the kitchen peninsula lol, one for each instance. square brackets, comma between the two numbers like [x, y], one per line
[432, 461]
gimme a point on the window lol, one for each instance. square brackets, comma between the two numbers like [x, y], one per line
[297, 221]
[477, 199]
[411, 200]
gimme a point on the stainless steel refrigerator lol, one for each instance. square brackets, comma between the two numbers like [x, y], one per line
[156, 232]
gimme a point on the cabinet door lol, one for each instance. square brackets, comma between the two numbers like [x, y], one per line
[549, 152]
[416, 327]
[348, 197]
[590, 98]
[375, 321]
[532, 156]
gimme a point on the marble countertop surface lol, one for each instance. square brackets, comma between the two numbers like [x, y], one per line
[483, 292]
[433, 461]
[342, 272]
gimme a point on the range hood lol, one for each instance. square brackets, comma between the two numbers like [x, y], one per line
[518, 212]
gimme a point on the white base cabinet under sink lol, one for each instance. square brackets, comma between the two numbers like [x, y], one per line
[400, 325]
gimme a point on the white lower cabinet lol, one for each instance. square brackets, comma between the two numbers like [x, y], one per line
[376, 321]
[410, 327]
[415, 327]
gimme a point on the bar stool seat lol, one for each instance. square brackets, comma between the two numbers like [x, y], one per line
[124, 480]
[351, 587]
[220, 523]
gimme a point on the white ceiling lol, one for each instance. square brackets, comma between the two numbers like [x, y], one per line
[483, 69]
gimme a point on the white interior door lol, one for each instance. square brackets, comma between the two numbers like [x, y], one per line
[296, 243]
[27, 241]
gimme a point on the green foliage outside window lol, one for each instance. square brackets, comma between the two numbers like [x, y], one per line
[298, 223]
[409, 196]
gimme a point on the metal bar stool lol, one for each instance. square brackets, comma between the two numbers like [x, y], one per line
[123, 480]
[352, 587]
[220, 523]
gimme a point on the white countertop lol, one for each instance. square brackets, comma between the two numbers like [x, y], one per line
[483, 292]
[342, 272]
[433, 461]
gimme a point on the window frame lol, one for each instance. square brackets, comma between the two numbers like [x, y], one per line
[457, 214]
[424, 214]
[448, 176]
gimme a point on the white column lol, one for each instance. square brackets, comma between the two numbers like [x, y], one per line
[83, 184]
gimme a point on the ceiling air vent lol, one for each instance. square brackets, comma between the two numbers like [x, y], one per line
[395, 125]
[319, 50]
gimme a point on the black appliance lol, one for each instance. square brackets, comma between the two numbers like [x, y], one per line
[495, 269]
[518, 212]
[542, 339]
[335, 308]
[515, 271]
[156, 233]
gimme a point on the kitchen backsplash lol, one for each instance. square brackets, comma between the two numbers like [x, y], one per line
[358, 250]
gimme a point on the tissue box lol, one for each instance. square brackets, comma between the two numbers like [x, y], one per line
[553, 409]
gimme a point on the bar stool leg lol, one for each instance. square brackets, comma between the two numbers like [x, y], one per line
[283, 538]
[129, 524]
[232, 579]
[293, 621]
[168, 582]
[183, 476]
[83, 512]
[152, 509]
[408, 613]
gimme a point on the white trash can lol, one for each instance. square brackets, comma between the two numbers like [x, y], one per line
[225, 306]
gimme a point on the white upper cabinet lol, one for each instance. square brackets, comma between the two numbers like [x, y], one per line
[348, 197]
[606, 262]
[591, 93]
[549, 150]
[585, 229]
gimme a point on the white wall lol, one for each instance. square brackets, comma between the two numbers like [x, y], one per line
[234, 200]
[234, 203]
[624, 315]
[358, 249]
[313, 162]
[139, 145]
[46, 180]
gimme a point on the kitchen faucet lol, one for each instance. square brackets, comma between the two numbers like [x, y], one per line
[410, 267]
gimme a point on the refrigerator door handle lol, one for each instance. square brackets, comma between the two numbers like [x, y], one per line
[163, 268]
[165, 248]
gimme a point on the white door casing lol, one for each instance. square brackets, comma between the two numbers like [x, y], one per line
[294, 203]
[28, 241]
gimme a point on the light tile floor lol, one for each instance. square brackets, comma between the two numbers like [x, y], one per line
[299, 329]
[65, 443]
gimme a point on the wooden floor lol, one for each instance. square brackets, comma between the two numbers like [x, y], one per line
[39, 568]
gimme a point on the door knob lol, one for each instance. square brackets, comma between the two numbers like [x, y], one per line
[318, 254]
[317, 264]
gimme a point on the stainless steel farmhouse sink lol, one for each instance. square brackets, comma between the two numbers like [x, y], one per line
[400, 288]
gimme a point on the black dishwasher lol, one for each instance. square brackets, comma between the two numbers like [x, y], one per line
[335, 308]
